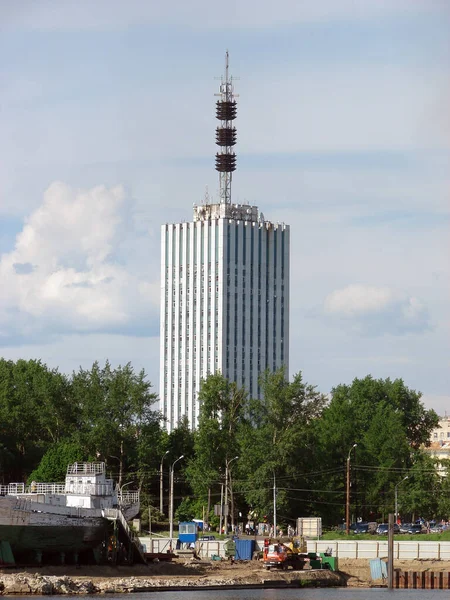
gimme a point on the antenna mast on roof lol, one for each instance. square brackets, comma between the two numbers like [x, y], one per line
[226, 134]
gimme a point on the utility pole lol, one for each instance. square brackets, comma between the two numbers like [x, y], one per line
[347, 504]
[171, 499]
[150, 523]
[221, 508]
[274, 506]
[226, 498]
[391, 552]
[161, 484]
[227, 472]
[396, 497]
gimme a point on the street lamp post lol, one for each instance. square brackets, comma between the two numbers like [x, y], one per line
[347, 504]
[227, 467]
[121, 488]
[396, 497]
[171, 497]
[161, 484]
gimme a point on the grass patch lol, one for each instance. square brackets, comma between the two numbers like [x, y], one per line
[398, 537]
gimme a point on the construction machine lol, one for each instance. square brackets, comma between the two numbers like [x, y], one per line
[283, 556]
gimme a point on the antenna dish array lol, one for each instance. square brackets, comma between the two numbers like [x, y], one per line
[226, 135]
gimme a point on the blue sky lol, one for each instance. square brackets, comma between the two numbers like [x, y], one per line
[107, 121]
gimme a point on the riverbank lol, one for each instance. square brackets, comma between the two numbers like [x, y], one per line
[158, 576]
[181, 574]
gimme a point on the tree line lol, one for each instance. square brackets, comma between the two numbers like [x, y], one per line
[295, 440]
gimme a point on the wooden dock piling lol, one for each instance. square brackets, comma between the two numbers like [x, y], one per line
[422, 580]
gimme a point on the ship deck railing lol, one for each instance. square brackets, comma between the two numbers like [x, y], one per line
[90, 489]
[87, 489]
[86, 468]
[47, 488]
[128, 497]
[12, 489]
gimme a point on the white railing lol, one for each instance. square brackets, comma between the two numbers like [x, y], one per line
[128, 497]
[89, 489]
[47, 488]
[83, 468]
[12, 489]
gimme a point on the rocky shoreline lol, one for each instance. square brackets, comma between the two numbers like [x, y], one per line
[202, 576]
[182, 575]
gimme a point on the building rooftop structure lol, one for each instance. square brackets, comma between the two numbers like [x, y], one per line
[439, 447]
[224, 288]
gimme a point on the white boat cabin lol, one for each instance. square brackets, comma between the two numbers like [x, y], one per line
[86, 486]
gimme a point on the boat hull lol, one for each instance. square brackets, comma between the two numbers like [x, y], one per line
[53, 538]
[41, 529]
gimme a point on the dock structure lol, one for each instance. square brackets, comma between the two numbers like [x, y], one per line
[422, 580]
[125, 535]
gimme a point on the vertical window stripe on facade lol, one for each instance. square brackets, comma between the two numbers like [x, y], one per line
[224, 306]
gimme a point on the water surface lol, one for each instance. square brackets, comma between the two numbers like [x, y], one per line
[282, 594]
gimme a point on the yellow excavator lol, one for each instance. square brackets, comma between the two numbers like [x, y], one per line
[282, 555]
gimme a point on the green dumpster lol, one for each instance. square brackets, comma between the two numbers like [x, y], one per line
[230, 548]
[329, 562]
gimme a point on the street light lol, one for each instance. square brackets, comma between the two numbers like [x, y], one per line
[121, 488]
[227, 466]
[347, 506]
[161, 488]
[171, 498]
[396, 497]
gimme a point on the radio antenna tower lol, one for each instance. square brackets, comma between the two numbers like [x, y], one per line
[226, 135]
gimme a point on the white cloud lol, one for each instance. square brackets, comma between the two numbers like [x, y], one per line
[376, 310]
[65, 272]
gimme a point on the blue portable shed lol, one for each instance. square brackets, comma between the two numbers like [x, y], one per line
[244, 549]
[188, 532]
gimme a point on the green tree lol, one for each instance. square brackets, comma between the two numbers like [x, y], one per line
[420, 497]
[384, 455]
[276, 444]
[116, 407]
[223, 407]
[54, 463]
[36, 410]
[388, 423]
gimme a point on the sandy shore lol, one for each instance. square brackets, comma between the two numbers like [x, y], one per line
[183, 574]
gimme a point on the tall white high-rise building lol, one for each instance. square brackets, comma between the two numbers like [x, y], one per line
[224, 290]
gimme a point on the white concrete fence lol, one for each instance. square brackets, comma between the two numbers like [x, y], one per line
[407, 550]
[205, 549]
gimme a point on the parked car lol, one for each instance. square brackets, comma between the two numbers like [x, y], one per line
[405, 527]
[361, 528]
[436, 529]
[383, 528]
[414, 528]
